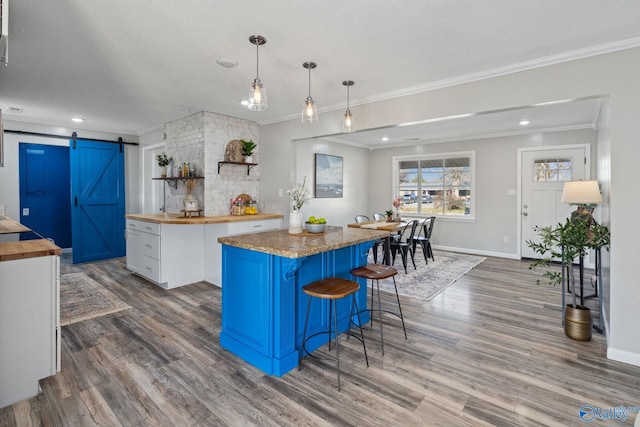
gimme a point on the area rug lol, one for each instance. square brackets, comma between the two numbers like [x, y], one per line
[427, 281]
[83, 298]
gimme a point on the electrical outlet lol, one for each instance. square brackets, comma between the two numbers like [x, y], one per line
[280, 192]
[25, 211]
[505, 239]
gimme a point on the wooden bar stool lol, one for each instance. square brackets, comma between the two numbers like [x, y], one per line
[333, 289]
[377, 272]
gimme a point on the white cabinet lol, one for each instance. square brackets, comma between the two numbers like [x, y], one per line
[169, 255]
[29, 331]
[213, 249]
[172, 255]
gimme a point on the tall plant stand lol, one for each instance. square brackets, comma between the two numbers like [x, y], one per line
[598, 290]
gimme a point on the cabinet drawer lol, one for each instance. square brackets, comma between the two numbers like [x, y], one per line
[147, 227]
[150, 245]
[253, 226]
[150, 268]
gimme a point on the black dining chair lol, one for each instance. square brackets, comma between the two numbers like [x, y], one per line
[424, 238]
[403, 243]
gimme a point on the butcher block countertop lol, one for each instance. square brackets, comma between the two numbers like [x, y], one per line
[170, 218]
[8, 225]
[23, 249]
[281, 243]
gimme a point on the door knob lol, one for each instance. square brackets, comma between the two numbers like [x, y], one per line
[524, 214]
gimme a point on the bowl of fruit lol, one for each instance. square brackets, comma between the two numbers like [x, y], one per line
[315, 225]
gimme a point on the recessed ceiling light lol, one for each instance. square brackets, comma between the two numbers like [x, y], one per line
[385, 138]
[227, 63]
[14, 110]
[77, 119]
[524, 122]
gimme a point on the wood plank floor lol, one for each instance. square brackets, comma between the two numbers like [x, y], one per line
[489, 350]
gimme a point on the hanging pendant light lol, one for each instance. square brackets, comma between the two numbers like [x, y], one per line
[258, 93]
[347, 120]
[309, 110]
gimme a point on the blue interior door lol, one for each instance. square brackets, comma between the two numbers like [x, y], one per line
[45, 192]
[97, 197]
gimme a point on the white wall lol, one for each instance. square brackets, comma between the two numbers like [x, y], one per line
[355, 175]
[613, 75]
[496, 213]
[9, 174]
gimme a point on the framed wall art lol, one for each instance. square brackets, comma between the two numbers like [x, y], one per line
[328, 178]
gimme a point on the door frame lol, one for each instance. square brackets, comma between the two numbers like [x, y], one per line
[587, 150]
[147, 168]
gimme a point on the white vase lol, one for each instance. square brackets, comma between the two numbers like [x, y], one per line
[163, 171]
[248, 159]
[295, 222]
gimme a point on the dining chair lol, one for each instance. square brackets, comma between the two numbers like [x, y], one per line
[361, 218]
[424, 238]
[379, 217]
[404, 244]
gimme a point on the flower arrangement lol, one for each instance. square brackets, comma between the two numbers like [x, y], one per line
[397, 202]
[298, 194]
[190, 185]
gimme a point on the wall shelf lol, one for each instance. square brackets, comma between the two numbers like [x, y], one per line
[248, 165]
[173, 181]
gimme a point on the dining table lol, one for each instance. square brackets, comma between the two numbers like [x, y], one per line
[391, 227]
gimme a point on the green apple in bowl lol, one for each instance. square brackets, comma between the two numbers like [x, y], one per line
[315, 225]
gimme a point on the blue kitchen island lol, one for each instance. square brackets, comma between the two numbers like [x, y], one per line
[263, 305]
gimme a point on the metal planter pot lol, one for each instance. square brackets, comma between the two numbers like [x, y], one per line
[577, 322]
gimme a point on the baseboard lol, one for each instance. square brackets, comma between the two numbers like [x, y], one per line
[476, 252]
[623, 356]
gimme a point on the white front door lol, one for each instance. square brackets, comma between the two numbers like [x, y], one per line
[543, 173]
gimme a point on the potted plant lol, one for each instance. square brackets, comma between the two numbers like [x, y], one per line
[389, 214]
[247, 150]
[163, 162]
[566, 242]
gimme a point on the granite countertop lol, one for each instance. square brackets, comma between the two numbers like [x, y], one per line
[281, 243]
[174, 218]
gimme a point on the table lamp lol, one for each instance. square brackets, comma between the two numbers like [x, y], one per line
[583, 194]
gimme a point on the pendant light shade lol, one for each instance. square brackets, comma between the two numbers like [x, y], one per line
[347, 120]
[257, 93]
[309, 110]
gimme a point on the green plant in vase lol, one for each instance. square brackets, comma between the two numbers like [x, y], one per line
[567, 242]
[247, 150]
[389, 214]
[163, 161]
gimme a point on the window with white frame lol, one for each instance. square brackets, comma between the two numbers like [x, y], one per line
[439, 184]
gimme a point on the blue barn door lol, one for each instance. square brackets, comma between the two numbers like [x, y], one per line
[45, 192]
[97, 200]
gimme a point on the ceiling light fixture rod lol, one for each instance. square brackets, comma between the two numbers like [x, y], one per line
[309, 110]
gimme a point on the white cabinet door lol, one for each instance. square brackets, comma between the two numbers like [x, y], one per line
[28, 314]
[213, 249]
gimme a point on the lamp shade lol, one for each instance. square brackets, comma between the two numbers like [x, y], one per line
[581, 192]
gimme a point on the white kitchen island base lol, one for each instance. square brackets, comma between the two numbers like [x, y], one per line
[173, 251]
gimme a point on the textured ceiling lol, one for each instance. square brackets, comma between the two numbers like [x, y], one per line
[130, 66]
